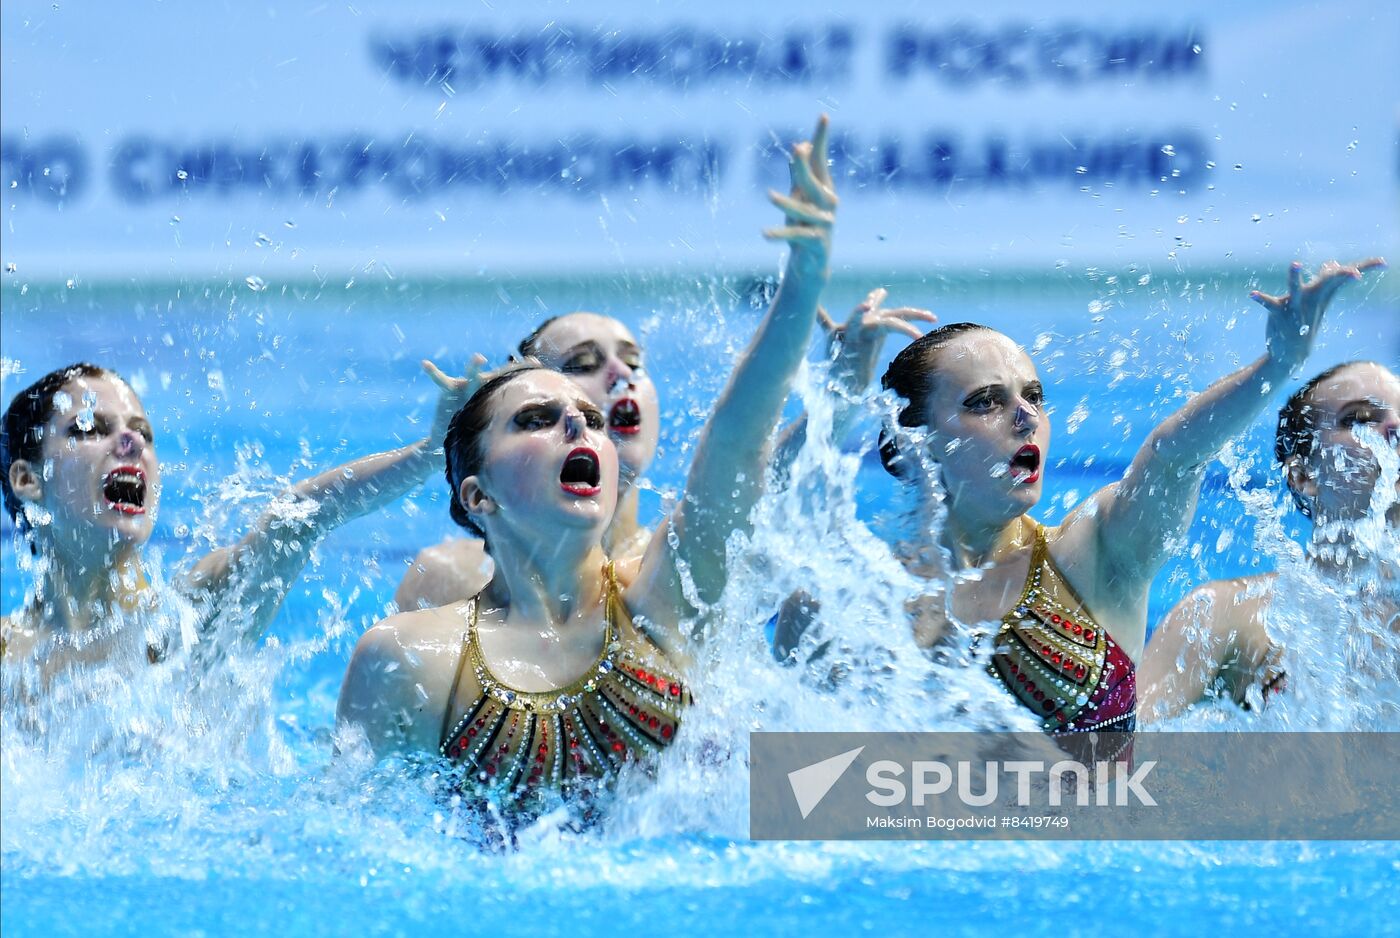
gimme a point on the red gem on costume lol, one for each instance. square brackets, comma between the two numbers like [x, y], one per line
[1056, 620]
[1055, 658]
[490, 768]
[653, 722]
[617, 746]
[641, 674]
[1030, 687]
[543, 748]
[471, 731]
[1060, 715]
[1049, 705]
[1080, 671]
[1088, 635]
[666, 731]
[1045, 649]
[1076, 628]
[1040, 695]
[675, 690]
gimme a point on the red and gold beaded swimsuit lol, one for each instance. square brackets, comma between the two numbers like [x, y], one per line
[627, 705]
[1058, 662]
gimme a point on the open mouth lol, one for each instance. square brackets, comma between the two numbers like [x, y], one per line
[1025, 464]
[125, 490]
[625, 417]
[581, 473]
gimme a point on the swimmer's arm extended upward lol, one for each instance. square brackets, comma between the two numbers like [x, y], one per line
[257, 572]
[1136, 519]
[726, 475]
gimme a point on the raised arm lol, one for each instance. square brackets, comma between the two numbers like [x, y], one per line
[255, 574]
[853, 349]
[726, 475]
[1138, 517]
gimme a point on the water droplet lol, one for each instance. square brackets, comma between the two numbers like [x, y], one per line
[1210, 164]
[1353, 145]
[263, 240]
[10, 267]
[256, 283]
[1196, 49]
[174, 219]
[289, 224]
[1082, 170]
[1238, 167]
[1169, 150]
[1255, 218]
[70, 283]
[181, 174]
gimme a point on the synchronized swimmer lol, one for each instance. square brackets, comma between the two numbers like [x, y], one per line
[557, 643]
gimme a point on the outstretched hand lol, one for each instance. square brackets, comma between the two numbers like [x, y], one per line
[870, 322]
[810, 208]
[454, 393]
[1295, 317]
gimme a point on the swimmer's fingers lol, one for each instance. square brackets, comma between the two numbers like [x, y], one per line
[1370, 263]
[798, 235]
[448, 383]
[902, 320]
[799, 211]
[804, 182]
[825, 321]
[1268, 301]
[820, 171]
[440, 378]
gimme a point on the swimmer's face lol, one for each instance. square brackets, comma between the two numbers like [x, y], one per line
[1358, 414]
[602, 355]
[547, 462]
[987, 426]
[98, 472]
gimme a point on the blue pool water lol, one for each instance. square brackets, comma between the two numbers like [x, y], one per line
[264, 831]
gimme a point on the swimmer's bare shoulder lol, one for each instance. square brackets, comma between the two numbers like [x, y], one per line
[399, 679]
[445, 573]
[1215, 638]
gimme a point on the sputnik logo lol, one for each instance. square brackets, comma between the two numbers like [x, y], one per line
[811, 783]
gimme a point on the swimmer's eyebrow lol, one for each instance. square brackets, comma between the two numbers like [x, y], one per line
[1363, 402]
[586, 345]
[982, 390]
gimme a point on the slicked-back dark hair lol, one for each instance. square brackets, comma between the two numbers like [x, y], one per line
[22, 435]
[462, 445]
[529, 346]
[911, 375]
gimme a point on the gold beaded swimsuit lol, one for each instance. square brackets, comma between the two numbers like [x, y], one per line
[1058, 661]
[520, 744]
